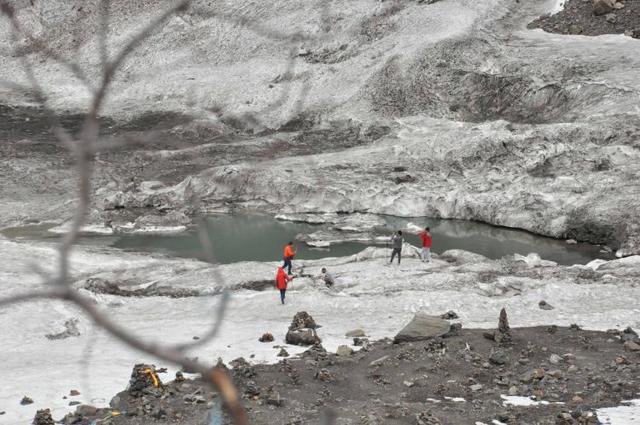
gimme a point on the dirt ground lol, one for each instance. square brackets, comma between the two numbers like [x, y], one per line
[578, 18]
[456, 380]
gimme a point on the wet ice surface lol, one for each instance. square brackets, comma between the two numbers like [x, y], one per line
[370, 295]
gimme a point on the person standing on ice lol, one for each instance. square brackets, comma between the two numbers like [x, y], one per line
[396, 243]
[289, 253]
[425, 236]
[282, 278]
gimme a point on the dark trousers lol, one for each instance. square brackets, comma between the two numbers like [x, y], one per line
[393, 254]
[287, 264]
[282, 292]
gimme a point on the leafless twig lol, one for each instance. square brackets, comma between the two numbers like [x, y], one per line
[84, 150]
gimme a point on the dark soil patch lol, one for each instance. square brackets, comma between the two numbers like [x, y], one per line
[439, 381]
[578, 18]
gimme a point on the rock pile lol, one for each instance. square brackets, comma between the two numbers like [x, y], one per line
[144, 380]
[302, 330]
[503, 333]
[43, 417]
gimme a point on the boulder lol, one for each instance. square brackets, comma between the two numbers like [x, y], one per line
[302, 337]
[344, 351]
[602, 7]
[302, 330]
[423, 327]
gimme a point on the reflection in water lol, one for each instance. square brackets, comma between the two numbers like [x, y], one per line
[262, 238]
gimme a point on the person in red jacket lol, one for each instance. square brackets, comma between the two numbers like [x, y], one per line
[426, 244]
[282, 278]
[289, 253]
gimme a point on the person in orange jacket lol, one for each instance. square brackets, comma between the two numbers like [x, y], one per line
[289, 253]
[282, 278]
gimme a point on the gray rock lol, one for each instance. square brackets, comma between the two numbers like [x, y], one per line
[302, 337]
[602, 7]
[266, 337]
[544, 305]
[503, 322]
[86, 410]
[423, 327]
[498, 357]
[344, 351]
[283, 353]
[361, 342]
[631, 346]
[26, 400]
[356, 333]
[555, 359]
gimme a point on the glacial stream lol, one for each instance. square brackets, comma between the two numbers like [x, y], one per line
[257, 237]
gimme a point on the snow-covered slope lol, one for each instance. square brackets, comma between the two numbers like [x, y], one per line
[369, 294]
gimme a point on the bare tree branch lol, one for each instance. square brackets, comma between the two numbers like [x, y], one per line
[103, 34]
[87, 143]
[54, 293]
[114, 65]
[41, 46]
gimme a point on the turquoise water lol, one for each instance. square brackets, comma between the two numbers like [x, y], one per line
[262, 238]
